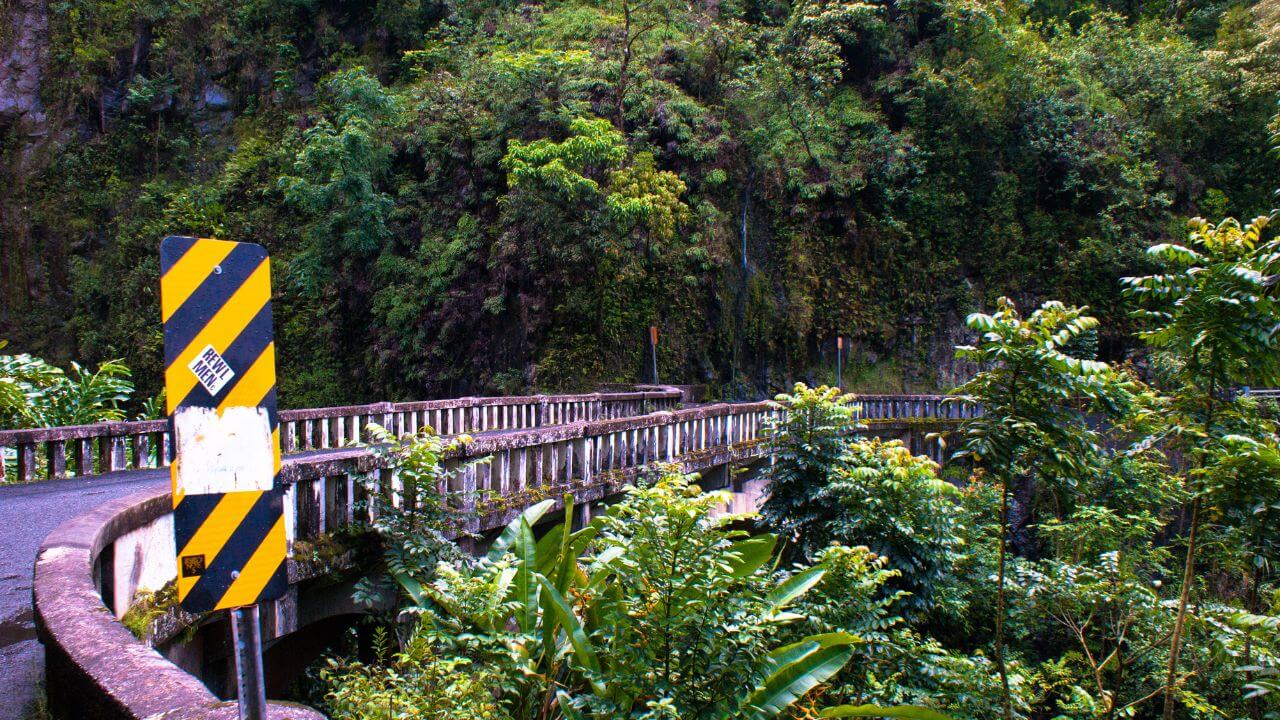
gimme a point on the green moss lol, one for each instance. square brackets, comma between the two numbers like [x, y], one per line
[147, 607]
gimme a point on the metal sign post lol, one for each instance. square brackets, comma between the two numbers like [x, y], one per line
[220, 378]
[246, 637]
[653, 343]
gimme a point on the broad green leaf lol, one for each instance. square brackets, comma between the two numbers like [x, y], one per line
[790, 682]
[412, 587]
[908, 712]
[790, 653]
[582, 650]
[752, 554]
[531, 515]
[525, 589]
[793, 587]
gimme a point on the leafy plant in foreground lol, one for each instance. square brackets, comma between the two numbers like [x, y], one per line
[656, 609]
[1211, 311]
[1033, 394]
[34, 393]
[412, 517]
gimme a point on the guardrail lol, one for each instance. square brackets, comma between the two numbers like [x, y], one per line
[591, 460]
[84, 450]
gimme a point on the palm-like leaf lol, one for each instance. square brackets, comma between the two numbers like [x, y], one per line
[875, 711]
[790, 681]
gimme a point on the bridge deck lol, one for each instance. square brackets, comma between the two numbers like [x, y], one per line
[28, 513]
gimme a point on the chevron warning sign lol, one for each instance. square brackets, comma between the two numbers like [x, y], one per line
[220, 377]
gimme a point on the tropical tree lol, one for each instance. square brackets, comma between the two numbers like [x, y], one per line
[1212, 314]
[1034, 395]
[810, 436]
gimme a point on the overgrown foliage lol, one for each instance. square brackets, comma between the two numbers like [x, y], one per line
[658, 608]
[1113, 548]
[34, 393]
[471, 196]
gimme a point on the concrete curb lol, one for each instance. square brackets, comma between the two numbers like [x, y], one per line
[95, 668]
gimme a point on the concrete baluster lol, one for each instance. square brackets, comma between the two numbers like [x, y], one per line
[81, 457]
[582, 458]
[319, 499]
[330, 432]
[118, 453]
[56, 459]
[289, 512]
[26, 462]
[349, 485]
[520, 478]
[554, 465]
[135, 452]
[501, 465]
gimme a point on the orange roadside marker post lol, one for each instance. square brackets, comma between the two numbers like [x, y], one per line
[653, 344]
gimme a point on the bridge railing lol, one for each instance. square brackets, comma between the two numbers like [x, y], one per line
[925, 407]
[590, 459]
[84, 450]
[120, 549]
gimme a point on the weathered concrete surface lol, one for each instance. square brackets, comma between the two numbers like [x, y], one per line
[97, 670]
[28, 513]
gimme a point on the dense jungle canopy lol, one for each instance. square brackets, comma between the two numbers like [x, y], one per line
[476, 196]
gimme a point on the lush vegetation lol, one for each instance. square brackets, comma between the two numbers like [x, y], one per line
[1104, 547]
[658, 608]
[473, 196]
[35, 394]
[470, 196]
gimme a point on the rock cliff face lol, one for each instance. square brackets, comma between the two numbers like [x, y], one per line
[24, 128]
[22, 61]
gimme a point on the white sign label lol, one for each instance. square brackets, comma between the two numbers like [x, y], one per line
[224, 452]
[211, 370]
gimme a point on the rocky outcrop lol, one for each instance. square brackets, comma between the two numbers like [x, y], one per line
[24, 128]
[22, 63]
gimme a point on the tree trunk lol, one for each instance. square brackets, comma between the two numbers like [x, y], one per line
[1175, 646]
[1007, 698]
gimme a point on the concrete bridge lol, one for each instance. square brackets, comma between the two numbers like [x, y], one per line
[93, 569]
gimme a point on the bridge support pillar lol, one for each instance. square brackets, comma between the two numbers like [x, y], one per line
[581, 515]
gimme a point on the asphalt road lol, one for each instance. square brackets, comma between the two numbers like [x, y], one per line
[27, 514]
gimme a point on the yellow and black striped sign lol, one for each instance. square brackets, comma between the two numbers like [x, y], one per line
[220, 377]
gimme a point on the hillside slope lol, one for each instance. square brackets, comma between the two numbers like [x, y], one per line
[479, 196]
